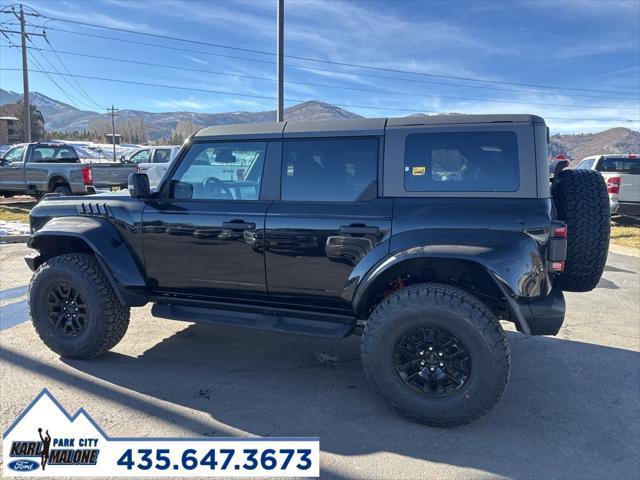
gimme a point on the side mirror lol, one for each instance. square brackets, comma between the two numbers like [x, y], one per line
[122, 158]
[139, 185]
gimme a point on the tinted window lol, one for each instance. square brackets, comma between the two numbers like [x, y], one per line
[60, 154]
[332, 170]
[221, 171]
[619, 164]
[14, 155]
[161, 156]
[461, 161]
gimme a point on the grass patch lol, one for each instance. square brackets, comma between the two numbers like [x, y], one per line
[625, 232]
[14, 214]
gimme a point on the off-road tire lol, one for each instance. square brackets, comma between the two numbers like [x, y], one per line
[64, 190]
[107, 321]
[582, 201]
[439, 306]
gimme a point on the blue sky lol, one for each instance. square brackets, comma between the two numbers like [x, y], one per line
[581, 44]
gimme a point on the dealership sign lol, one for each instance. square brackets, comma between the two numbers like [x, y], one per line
[46, 441]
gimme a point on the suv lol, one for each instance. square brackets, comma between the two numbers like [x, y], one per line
[419, 234]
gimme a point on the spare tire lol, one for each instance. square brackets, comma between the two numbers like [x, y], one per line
[582, 201]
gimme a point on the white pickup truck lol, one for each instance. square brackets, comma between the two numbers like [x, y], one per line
[154, 161]
[622, 174]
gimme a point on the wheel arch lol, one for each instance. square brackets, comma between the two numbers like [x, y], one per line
[468, 273]
[56, 180]
[97, 237]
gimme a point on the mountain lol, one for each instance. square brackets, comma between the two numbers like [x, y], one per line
[62, 117]
[614, 140]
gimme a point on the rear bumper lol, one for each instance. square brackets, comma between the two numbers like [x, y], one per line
[628, 208]
[545, 315]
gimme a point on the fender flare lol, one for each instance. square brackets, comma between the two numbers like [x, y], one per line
[516, 280]
[120, 266]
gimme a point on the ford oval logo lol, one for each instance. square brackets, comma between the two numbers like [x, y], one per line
[23, 465]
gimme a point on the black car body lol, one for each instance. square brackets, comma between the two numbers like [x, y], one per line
[307, 227]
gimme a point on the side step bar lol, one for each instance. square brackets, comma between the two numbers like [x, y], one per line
[259, 321]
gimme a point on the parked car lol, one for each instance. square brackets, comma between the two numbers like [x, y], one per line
[622, 174]
[39, 168]
[418, 233]
[154, 161]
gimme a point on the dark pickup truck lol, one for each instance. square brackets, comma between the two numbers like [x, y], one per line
[419, 234]
[39, 168]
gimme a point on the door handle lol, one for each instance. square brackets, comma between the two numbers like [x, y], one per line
[239, 225]
[359, 230]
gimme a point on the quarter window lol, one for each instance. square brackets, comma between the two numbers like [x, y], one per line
[331, 170]
[221, 171]
[461, 161]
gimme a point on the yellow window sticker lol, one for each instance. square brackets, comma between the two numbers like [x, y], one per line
[418, 171]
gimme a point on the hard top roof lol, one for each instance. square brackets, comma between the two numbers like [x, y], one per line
[357, 126]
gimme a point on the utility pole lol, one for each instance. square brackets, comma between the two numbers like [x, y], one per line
[25, 70]
[113, 129]
[25, 80]
[280, 61]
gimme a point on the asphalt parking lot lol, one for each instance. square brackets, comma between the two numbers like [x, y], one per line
[571, 410]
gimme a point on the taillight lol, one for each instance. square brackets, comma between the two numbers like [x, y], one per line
[557, 252]
[613, 184]
[560, 232]
[87, 176]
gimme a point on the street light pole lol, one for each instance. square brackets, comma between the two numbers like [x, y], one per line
[280, 61]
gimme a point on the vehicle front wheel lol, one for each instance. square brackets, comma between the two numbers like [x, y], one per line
[74, 308]
[436, 354]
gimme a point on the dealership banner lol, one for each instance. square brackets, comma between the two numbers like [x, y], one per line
[45, 441]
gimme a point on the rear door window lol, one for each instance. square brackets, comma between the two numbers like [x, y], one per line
[161, 155]
[61, 154]
[619, 165]
[462, 162]
[330, 170]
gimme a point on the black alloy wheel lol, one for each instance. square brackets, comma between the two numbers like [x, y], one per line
[432, 362]
[66, 309]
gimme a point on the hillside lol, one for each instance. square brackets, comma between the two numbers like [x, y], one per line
[614, 140]
[62, 117]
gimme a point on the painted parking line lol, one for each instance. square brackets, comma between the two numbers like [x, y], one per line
[13, 306]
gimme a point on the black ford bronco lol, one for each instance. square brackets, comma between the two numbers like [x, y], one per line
[418, 233]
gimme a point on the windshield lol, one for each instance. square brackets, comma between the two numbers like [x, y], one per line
[619, 165]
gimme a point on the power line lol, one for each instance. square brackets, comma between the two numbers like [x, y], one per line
[344, 64]
[78, 100]
[289, 100]
[319, 69]
[82, 90]
[358, 89]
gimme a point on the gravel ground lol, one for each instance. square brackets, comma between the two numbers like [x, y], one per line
[571, 409]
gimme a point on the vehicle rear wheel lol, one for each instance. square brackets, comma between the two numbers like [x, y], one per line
[64, 190]
[74, 308]
[582, 201]
[436, 354]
